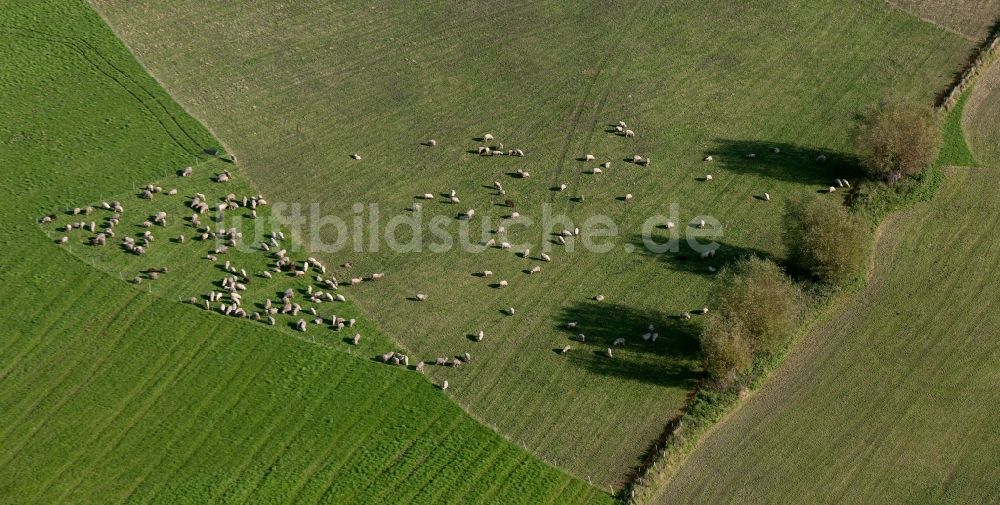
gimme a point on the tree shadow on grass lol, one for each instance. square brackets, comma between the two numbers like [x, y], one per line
[673, 360]
[681, 257]
[793, 163]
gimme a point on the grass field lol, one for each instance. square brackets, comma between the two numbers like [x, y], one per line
[109, 393]
[294, 89]
[982, 113]
[971, 18]
[892, 397]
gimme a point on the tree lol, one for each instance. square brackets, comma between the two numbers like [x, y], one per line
[824, 239]
[758, 294]
[725, 349]
[894, 139]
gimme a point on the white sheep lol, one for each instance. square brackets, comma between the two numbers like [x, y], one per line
[565, 350]
[708, 177]
[421, 297]
[503, 284]
[479, 336]
[629, 133]
[428, 196]
[599, 298]
[545, 257]
[628, 197]
[562, 187]
[525, 253]
[510, 311]
[607, 352]
[356, 156]
[831, 189]
[432, 143]
[709, 158]
[504, 245]
[767, 197]
[618, 341]
[589, 157]
[488, 137]
[596, 171]
[487, 273]
[536, 269]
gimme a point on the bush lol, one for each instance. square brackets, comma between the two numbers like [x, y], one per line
[894, 139]
[824, 239]
[725, 347]
[756, 292]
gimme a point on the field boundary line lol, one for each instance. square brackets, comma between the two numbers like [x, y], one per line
[982, 56]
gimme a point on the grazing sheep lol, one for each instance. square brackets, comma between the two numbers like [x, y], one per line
[839, 183]
[431, 143]
[535, 270]
[581, 337]
[562, 187]
[515, 215]
[487, 273]
[466, 357]
[356, 156]
[767, 197]
[484, 151]
[644, 162]
[340, 298]
[821, 158]
[526, 253]
[301, 325]
[846, 184]
[596, 171]
[752, 155]
[560, 240]
[187, 171]
[421, 297]
[622, 124]
[416, 207]
[503, 284]
[606, 165]
[589, 157]
[479, 336]
[709, 158]
[510, 311]
[488, 137]
[491, 242]
[376, 276]
[519, 153]
[571, 325]
[629, 133]
[670, 225]
[428, 196]
[618, 341]
[545, 257]
[619, 129]
[607, 352]
[497, 186]
[505, 245]
[704, 310]
[701, 224]
[454, 199]
[708, 177]
[636, 158]
[831, 189]
[357, 339]
[628, 197]
[776, 150]
[522, 174]
[63, 240]
[565, 350]
[444, 386]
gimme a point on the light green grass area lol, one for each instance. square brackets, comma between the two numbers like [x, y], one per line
[955, 149]
[295, 88]
[891, 398]
[982, 115]
[111, 394]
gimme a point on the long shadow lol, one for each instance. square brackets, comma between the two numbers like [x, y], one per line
[685, 259]
[793, 163]
[673, 360]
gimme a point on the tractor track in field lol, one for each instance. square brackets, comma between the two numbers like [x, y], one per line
[95, 59]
